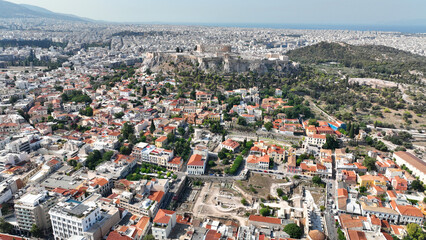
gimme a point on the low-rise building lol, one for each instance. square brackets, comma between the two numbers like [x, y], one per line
[163, 223]
[256, 162]
[230, 145]
[196, 165]
[415, 164]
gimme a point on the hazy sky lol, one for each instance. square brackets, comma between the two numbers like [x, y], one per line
[367, 12]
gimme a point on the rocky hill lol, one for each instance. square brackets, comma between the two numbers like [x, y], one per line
[225, 63]
[373, 58]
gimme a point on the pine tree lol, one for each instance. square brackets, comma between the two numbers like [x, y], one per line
[152, 127]
[144, 90]
[352, 132]
[348, 127]
[356, 129]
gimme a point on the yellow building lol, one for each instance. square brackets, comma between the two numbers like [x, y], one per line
[370, 180]
[161, 142]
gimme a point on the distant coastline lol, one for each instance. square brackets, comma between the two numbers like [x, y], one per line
[382, 28]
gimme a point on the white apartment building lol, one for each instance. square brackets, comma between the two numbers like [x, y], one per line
[316, 139]
[72, 218]
[164, 222]
[32, 209]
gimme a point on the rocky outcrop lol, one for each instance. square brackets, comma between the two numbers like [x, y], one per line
[223, 63]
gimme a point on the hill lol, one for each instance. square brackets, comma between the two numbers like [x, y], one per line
[12, 10]
[371, 58]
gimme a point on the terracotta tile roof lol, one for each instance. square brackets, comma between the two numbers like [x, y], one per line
[398, 230]
[143, 223]
[349, 222]
[271, 220]
[356, 235]
[161, 139]
[255, 159]
[319, 136]
[212, 235]
[231, 143]
[196, 160]
[114, 235]
[156, 196]
[342, 192]
[163, 216]
[176, 160]
[409, 211]
[413, 160]
[9, 237]
[100, 181]
[375, 220]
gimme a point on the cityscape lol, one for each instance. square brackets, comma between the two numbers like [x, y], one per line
[137, 131]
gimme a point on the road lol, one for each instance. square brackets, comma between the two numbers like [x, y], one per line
[330, 118]
[331, 187]
[414, 133]
[265, 136]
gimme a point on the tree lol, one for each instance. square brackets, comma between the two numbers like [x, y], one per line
[415, 232]
[417, 185]
[127, 129]
[264, 212]
[369, 140]
[152, 127]
[362, 189]
[72, 162]
[269, 126]
[280, 192]
[244, 202]
[36, 231]
[352, 131]
[317, 180]
[125, 150]
[107, 156]
[144, 90]
[88, 111]
[313, 122]
[242, 121]
[293, 230]
[119, 115]
[237, 162]
[170, 137]
[330, 143]
[193, 94]
[348, 127]
[222, 153]
[369, 163]
[149, 237]
[5, 227]
[181, 131]
[341, 234]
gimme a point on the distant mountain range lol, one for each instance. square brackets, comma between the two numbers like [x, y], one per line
[12, 10]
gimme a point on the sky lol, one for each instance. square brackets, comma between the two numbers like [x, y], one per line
[327, 12]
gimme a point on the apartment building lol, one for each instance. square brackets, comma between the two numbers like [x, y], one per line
[32, 209]
[84, 219]
[164, 222]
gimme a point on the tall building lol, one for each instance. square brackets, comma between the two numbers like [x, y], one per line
[85, 219]
[33, 209]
